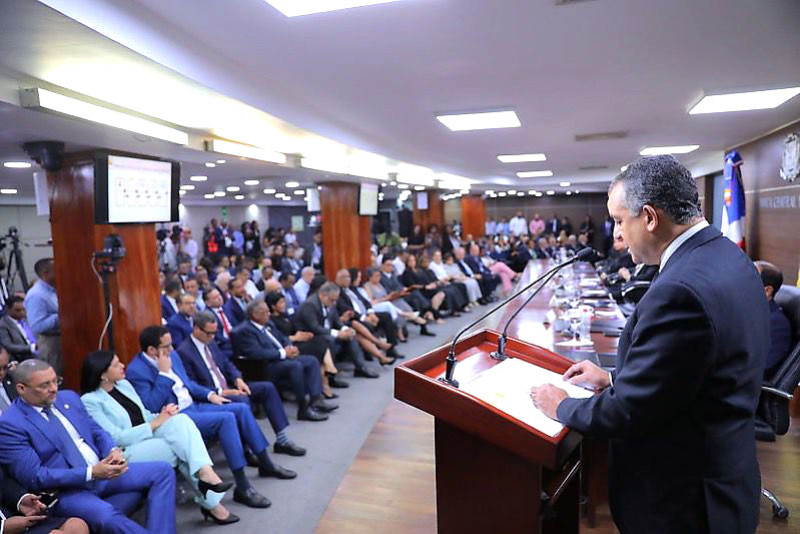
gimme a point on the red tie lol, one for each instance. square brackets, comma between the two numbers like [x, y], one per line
[225, 326]
[214, 369]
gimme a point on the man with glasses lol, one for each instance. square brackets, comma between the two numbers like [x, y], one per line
[206, 364]
[48, 441]
[159, 377]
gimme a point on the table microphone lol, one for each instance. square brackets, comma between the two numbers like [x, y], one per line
[584, 255]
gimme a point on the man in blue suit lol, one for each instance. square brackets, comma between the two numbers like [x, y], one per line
[169, 300]
[258, 339]
[236, 305]
[214, 304]
[48, 441]
[180, 324]
[679, 408]
[209, 367]
[159, 378]
[780, 331]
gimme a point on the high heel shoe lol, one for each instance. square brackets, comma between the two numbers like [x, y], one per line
[221, 487]
[232, 518]
[331, 396]
[388, 361]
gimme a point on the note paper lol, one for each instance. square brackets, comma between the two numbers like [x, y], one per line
[506, 386]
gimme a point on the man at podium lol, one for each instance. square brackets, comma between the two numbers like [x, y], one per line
[679, 408]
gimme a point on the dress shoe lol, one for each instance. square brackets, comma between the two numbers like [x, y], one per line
[252, 459]
[207, 515]
[251, 498]
[310, 414]
[291, 448]
[221, 487]
[388, 361]
[425, 332]
[394, 354]
[335, 382]
[330, 396]
[321, 406]
[259, 412]
[363, 372]
[277, 472]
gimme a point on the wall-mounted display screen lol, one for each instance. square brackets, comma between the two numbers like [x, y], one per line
[368, 199]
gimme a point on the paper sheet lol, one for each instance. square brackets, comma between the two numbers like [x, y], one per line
[506, 386]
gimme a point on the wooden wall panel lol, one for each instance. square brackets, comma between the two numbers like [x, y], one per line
[773, 205]
[346, 236]
[433, 215]
[473, 215]
[134, 288]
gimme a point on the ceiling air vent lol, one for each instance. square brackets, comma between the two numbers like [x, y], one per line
[593, 168]
[601, 136]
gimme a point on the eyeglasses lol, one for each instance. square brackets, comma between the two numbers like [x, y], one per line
[44, 386]
[206, 332]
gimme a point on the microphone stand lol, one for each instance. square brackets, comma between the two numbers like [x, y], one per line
[450, 361]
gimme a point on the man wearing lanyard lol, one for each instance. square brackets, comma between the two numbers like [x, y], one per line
[286, 280]
[15, 332]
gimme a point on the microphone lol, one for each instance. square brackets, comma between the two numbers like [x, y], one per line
[450, 361]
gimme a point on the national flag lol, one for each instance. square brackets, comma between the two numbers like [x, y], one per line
[733, 212]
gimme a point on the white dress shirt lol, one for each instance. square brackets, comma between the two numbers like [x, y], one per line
[86, 451]
[680, 240]
[178, 388]
[201, 348]
[439, 270]
[24, 336]
[272, 338]
[173, 303]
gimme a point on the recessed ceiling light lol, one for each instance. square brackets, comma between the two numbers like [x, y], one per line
[419, 188]
[198, 178]
[576, 191]
[512, 191]
[392, 183]
[239, 197]
[534, 174]
[749, 100]
[501, 194]
[287, 199]
[568, 193]
[188, 187]
[251, 182]
[220, 161]
[490, 191]
[183, 192]
[661, 150]
[292, 185]
[402, 186]
[521, 194]
[624, 168]
[8, 191]
[296, 8]
[551, 193]
[564, 184]
[521, 158]
[219, 193]
[319, 188]
[486, 120]
[208, 196]
[210, 164]
[245, 151]
[299, 192]
[17, 164]
[270, 191]
[531, 192]
[232, 188]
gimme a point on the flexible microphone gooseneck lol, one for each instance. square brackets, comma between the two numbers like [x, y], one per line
[450, 361]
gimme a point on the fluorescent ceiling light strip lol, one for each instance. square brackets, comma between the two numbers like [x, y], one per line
[534, 174]
[296, 8]
[17, 165]
[521, 158]
[246, 151]
[486, 120]
[662, 150]
[745, 101]
[38, 97]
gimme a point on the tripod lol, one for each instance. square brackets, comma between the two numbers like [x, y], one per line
[14, 267]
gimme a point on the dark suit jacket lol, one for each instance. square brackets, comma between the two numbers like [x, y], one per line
[10, 494]
[13, 341]
[477, 266]
[250, 342]
[680, 413]
[195, 364]
[780, 338]
[224, 344]
[391, 282]
[234, 312]
[155, 389]
[310, 317]
[34, 457]
[179, 328]
[167, 310]
[345, 303]
[8, 385]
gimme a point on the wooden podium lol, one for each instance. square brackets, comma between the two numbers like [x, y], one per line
[493, 472]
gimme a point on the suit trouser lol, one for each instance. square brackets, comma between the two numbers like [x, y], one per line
[348, 350]
[301, 372]
[266, 394]
[385, 325]
[91, 505]
[232, 424]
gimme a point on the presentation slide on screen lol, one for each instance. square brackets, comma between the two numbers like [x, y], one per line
[138, 190]
[368, 203]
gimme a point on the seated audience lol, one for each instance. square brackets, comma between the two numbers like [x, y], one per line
[302, 286]
[438, 268]
[780, 327]
[455, 275]
[455, 298]
[159, 378]
[192, 287]
[145, 437]
[480, 260]
[49, 442]
[239, 298]
[15, 332]
[7, 390]
[259, 339]
[415, 278]
[209, 367]
[475, 270]
[391, 282]
[169, 300]
[287, 281]
[214, 305]
[180, 324]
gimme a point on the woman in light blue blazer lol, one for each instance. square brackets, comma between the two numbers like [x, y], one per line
[144, 436]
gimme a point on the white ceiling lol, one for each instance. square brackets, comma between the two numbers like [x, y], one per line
[373, 77]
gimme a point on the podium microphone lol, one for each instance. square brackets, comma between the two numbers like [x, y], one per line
[585, 254]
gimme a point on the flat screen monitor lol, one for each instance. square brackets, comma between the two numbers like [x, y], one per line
[422, 200]
[312, 199]
[368, 199]
[135, 190]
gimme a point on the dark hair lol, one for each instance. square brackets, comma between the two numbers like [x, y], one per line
[662, 182]
[173, 284]
[354, 272]
[95, 364]
[151, 337]
[284, 276]
[13, 299]
[206, 294]
[203, 318]
[43, 265]
[272, 298]
[771, 276]
[316, 283]
[387, 257]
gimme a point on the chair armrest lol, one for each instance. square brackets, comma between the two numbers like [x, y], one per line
[777, 392]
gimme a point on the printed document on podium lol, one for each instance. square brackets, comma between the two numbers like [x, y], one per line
[506, 386]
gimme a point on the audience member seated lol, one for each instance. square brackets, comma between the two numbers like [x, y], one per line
[180, 324]
[391, 282]
[318, 315]
[780, 327]
[209, 367]
[415, 278]
[287, 281]
[49, 442]
[478, 272]
[457, 276]
[455, 298]
[626, 278]
[7, 390]
[308, 343]
[24, 512]
[238, 301]
[480, 261]
[259, 339]
[192, 287]
[438, 267]
[214, 304]
[15, 332]
[146, 437]
[169, 300]
[159, 378]
[302, 286]
[519, 257]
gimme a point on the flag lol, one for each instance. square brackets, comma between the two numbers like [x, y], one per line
[733, 211]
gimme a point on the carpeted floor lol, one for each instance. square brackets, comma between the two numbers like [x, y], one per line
[298, 505]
